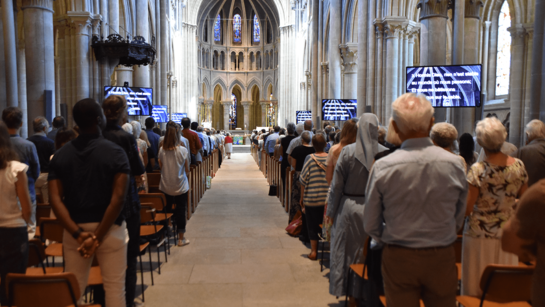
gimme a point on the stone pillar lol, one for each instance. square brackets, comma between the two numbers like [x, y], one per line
[21, 75]
[97, 91]
[82, 22]
[334, 52]
[486, 42]
[246, 105]
[208, 106]
[538, 65]
[528, 75]
[264, 105]
[410, 51]
[516, 85]
[226, 105]
[38, 21]
[350, 69]
[141, 73]
[164, 48]
[124, 74]
[433, 41]
[458, 31]
[392, 30]
[379, 102]
[10, 53]
[315, 69]
[361, 78]
[371, 59]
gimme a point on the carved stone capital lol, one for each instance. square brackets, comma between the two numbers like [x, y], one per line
[433, 8]
[246, 104]
[325, 67]
[81, 21]
[349, 54]
[379, 28]
[46, 5]
[517, 31]
[226, 103]
[473, 9]
[529, 27]
[394, 26]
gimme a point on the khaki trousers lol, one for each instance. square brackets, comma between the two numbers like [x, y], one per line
[411, 275]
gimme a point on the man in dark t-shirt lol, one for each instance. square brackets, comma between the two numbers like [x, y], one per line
[88, 179]
[153, 149]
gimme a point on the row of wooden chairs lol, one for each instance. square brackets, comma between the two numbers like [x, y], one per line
[272, 170]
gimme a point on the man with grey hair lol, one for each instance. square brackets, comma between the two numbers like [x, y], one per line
[533, 154]
[45, 148]
[415, 204]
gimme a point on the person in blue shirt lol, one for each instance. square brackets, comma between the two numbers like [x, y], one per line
[415, 204]
[26, 150]
[271, 141]
[45, 148]
[153, 139]
[204, 140]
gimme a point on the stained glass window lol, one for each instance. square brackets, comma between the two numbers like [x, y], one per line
[503, 63]
[237, 28]
[233, 113]
[217, 29]
[257, 29]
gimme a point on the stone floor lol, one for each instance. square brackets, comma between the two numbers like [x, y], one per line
[239, 253]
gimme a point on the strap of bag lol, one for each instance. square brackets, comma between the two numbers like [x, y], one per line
[321, 165]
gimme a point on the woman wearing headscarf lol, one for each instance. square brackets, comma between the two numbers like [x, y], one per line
[346, 205]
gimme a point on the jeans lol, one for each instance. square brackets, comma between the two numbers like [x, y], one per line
[180, 211]
[13, 255]
[112, 258]
[133, 249]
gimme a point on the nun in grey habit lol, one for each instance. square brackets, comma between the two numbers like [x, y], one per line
[346, 206]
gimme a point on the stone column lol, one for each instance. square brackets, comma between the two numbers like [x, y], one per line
[458, 31]
[124, 74]
[361, 78]
[21, 75]
[264, 105]
[10, 53]
[392, 29]
[379, 103]
[97, 91]
[334, 52]
[315, 69]
[226, 105]
[486, 42]
[516, 85]
[433, 41]
[528, 75]
[82, 22]
[350, 68]
[141, 73]
[208, 106]
[538, 62]
[38, 21]
[165, 45]
[410, 51]
[371, 59]
[246, 105]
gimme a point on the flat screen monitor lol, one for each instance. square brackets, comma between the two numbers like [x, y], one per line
[339, 109]
[177, 117]
[139, 99]
[449, 86]
[159, 113]
[301, 116]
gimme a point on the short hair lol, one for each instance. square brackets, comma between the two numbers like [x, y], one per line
[200, 129]
[58, 122]
[64, 135]
[491, 134]
[535, 129]
[308, 124]
[381, 135]
[444, 134]
[157, 131]
[325, 124]
[12, 117]
[276, 128]
[319, 142]
[186, 122]
[263, 130]
[300, 128]
[39, 123]
[128, 128]
[194, 125]
[412, 113]
[136, 128]
[305, 137]
[391, 136]
[291, 128]
[85, 113]
[114, 107]
[283, 131]
[332, 135]
[149, 123]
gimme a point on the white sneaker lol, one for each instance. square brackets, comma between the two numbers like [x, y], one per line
[183, 242]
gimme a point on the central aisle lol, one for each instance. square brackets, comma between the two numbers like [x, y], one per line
[239, 254]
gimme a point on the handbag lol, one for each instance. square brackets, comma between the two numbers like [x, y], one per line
[296, 225]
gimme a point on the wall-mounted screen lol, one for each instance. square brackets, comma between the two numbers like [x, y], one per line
[447, 86]
[301, 116]
[339, 109]
[139, 99]
[177, 117]
[159, 113]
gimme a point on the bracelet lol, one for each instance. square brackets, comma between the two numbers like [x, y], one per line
[76, 233]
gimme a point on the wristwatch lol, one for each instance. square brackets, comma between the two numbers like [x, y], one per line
[76, 233]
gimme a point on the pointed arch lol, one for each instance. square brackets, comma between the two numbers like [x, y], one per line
[253, 82]
[219, 81]
[241, 85]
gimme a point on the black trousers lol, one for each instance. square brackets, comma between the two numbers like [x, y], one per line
[133, 249]
[315, 217]
[13, 255]
[180, 211]
[219, 156]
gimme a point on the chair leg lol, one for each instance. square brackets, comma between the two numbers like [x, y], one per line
[158, 259]
[150, 264]
[322, 254]
[142, 277]
[347, 288]
[165, 247]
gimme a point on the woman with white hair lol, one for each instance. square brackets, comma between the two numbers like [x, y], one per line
[494, 186]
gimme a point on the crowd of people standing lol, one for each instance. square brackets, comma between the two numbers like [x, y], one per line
[406, 192]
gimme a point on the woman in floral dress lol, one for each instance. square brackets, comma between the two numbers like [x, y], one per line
[494, 186]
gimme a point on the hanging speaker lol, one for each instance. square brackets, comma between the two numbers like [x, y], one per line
[368, 109]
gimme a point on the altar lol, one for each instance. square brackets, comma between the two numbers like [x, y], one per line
[241, 140]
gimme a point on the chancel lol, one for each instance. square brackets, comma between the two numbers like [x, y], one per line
[272, 153]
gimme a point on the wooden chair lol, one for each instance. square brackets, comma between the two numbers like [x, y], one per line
[52, 230]
[383, 301]
[153, 182]
[503, 285]
[143, 248]
[159, 202]
[36, 257]
[153, 232]
[359, 269]
[42, 210]
[57, 290]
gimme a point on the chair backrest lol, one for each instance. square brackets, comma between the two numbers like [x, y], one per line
[154, 179]
[51, 229]
[36, 253]
[147, 213]
[505, 283]
[42, 210]
[55, 290]
[458, 248]
[157, 200]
